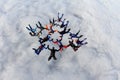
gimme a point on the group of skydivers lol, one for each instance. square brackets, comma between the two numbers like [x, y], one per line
[49, 28]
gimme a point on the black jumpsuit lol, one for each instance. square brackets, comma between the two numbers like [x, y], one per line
[52, 54]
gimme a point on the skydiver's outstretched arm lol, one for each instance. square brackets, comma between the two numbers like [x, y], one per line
[59, 18]
[84, 43]
[63, 24]
[52, 22]
[40, 26]
[68, 31]
[81, 42]
[77, 33]
[45, 47]
[48, 47]
[64, 31]
[37, 26]
[29, 28]
[39, 23]
[36, 51]
[84, 39]
[79, 37]
[68, 45]
[67, 23]
[61, 32]
[63, 21]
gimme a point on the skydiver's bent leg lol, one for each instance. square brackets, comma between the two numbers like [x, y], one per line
[36, 51]
[49, 58]
[85, 43]
[54, 58]
[80, 36]
[77, 32]
[68, 31]
[81, 42]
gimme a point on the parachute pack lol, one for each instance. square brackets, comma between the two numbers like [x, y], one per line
[55, 26]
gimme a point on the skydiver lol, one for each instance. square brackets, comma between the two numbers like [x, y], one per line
[51, 29]
[64, 31]
[47, 38]
[33, 31]
[40, 26]
[73, 45]
[63, 24]
[81, 42]
[39, 49]
[52, 54]
[72, 35]
[52, 22]
[60, 17]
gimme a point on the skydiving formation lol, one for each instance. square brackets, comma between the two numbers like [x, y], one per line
[74, 39]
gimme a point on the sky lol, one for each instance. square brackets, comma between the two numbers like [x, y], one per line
[98, 20]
